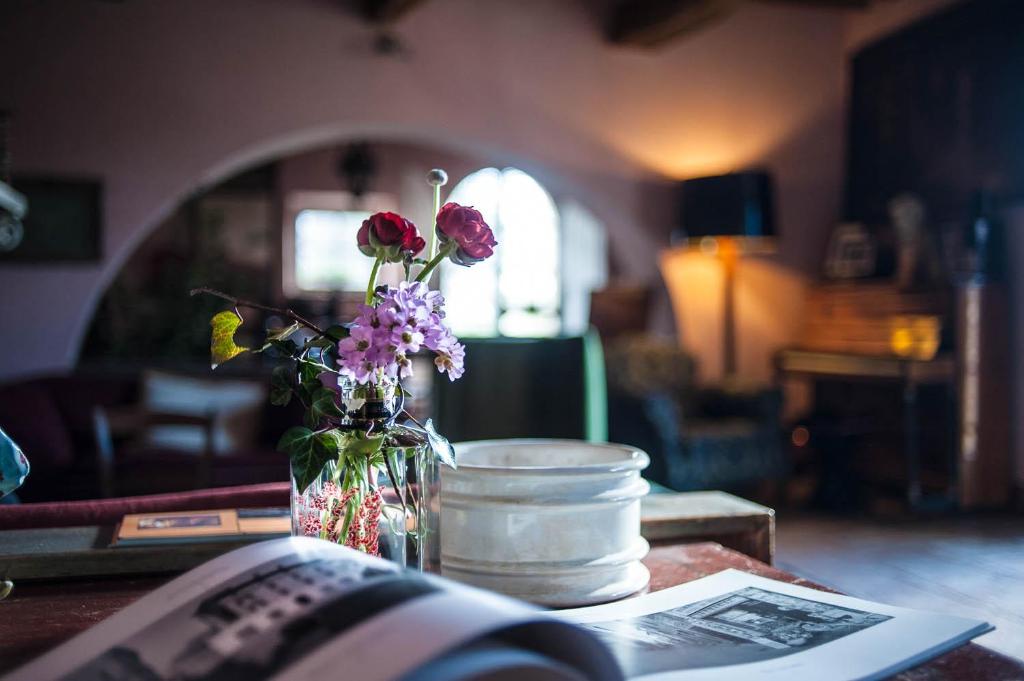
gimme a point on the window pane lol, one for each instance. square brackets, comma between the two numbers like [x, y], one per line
[326, 258]
[523, 324]
[584, 264]
[471, 298]
[521, 281]
[471, 293]
[529, 239]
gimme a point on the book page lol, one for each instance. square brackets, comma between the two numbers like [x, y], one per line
[733, 625]
[297, 608]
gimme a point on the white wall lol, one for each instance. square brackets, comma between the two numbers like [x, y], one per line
[158, 97]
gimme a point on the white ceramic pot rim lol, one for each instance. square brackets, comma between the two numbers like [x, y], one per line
[634, 459]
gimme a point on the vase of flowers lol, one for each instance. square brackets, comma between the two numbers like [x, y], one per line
[365, 473]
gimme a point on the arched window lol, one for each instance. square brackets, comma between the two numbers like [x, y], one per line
[518, 291]
[547, 262]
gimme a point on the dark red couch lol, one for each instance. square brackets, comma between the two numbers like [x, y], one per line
[110, 511]
[51, 419]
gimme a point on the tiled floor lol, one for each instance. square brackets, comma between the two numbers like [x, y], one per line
[972, 566]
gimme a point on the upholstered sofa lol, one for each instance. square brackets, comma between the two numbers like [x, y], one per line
[92, 434]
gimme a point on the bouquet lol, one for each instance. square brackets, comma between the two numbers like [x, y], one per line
[348, 377]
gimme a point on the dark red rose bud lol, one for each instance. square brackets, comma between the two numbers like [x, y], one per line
[466, 227]
[389, 235]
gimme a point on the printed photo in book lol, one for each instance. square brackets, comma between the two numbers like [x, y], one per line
[743, 626]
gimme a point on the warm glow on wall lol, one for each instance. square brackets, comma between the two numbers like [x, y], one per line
[769, 308]
[718, 141]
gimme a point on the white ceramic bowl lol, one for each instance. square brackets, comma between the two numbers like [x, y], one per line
[555, 522]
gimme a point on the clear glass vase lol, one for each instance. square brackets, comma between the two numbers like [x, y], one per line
[427, 543]
[362, 516]
[390, 509]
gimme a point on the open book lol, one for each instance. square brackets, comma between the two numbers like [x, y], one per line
[300, 608]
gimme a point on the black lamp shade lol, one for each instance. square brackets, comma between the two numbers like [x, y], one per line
[737, 205]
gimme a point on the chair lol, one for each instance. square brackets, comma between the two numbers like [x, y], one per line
[698, 438]
[190, 471]
[526, 388]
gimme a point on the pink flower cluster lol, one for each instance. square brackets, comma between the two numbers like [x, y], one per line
[405, 320]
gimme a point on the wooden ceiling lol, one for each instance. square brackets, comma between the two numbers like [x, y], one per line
[651, 23]
[638, 23]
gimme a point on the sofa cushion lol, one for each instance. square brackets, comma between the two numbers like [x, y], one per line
[237, 405]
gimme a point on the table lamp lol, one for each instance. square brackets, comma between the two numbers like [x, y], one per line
[724, 216]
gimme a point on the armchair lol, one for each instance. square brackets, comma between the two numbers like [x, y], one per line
[698, 438]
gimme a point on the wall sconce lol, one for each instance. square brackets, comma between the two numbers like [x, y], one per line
[725, 216]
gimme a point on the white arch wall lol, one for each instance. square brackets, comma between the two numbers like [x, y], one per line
[159, 97]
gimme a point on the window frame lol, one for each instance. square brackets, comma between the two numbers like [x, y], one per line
[326, 200]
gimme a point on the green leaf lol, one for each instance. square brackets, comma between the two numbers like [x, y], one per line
[311, 420]
[337, 332]
[307, 459]
[324, 404]
[281, 385]
[329, 443]
[309, 374]
[361, 446]
[222, 339]
[307, 390]
[288, 348]
[321, 342]
[439, 445]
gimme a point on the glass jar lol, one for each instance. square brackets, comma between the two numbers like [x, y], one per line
[387, 504]
[363, 515]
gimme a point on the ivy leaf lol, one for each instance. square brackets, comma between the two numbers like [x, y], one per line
[307, 390]
[286, 348]
[322, 342]
[309, 374]
[324, 404]
[360, 445]
[222, 339]
[329, 443]
[439, 445]
[281, 386]
[337, 332]
[311, 420]
[307, 460]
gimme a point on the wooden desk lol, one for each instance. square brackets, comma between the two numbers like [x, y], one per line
[38, 616]
[909, 375]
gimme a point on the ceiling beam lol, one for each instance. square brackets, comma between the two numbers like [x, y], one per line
[823, 4]
[650, 23]
[385, 11]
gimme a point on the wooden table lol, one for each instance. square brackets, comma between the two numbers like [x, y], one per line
[910, 375]
[693, 517]
[40, 615]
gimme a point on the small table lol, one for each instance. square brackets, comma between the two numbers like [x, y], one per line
[688, 517]
[38, 616]
[910, 375]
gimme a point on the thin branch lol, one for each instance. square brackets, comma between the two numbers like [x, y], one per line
[239, 302]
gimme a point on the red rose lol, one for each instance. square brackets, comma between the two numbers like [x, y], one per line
[466, 227]
[389, 235]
